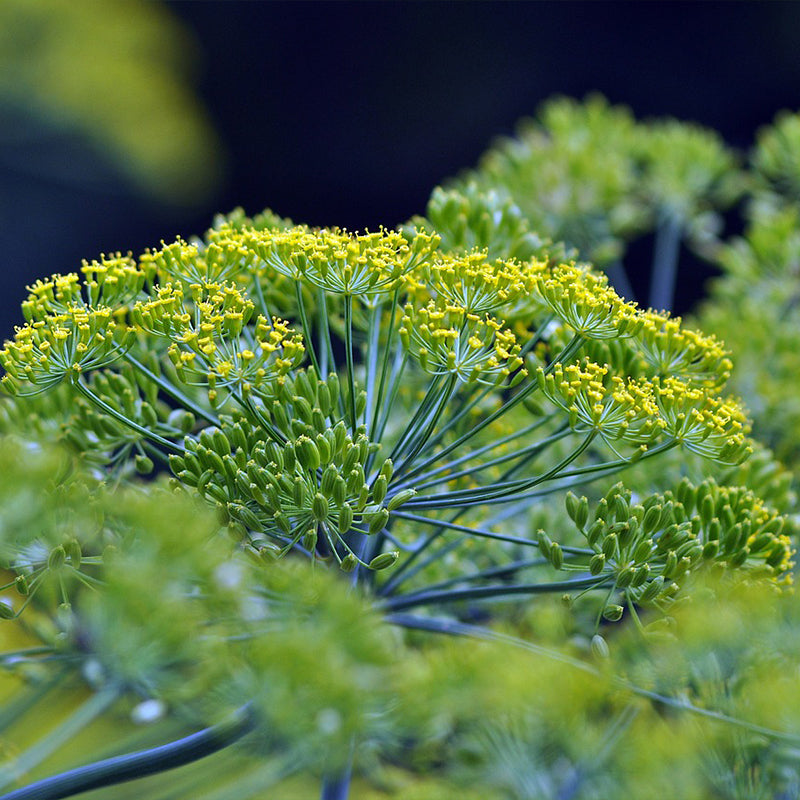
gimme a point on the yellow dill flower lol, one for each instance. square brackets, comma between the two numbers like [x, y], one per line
[704, 423]
[46, 351]
[336, 261]
[675, 351]
[448, 339]
[584, 301]
[479, 285]
[597, 400]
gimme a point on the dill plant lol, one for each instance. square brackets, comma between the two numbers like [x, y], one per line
[387, 428]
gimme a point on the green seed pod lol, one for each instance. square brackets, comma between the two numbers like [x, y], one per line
[21, 585]
[707, 510]
[624, 577]
[361, 403]
[307, 453]
[320, 507]
[601, 511]
[279, 417]
[738, 558]
[282, 521]
[652, 518]
[378, 521]
[643, 550]
[56, 558]
[627, 533]
[613, 613]
[355, 480]
[341, 437]
[556, 556]
[74, 552]
[670, 565]
[6, 611]
[302, 409]
[777, 555]
[289, 457]
[686, 494]
[181, 419]
[255, 492]
[245, 515]
[652, 590]
[306, 387]
[204, 480]
[351, 458]
[384, 560]
[310, 540]
[363, 498]
[610, 546]
[710, 549]
[571, 502]
[339, 491]
[325, 452]
[345, 519]
[727, 516]
[231, 468]
[379, 489]
[545, 544]
[620, 508]
[597, 563]
[324, 398]
[333, 387]
[640, 576]
[397, 500]
[349, 563]
[176, 464]
[595, 531]
[328, 481]
[599, 647]
[363, 448]
[318, 421]
[299, 492]
[149, 418]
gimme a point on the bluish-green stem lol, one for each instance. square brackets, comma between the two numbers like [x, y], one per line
[172, 391]
[387, 352]
[501, 492]
[348, 350]
[423, 412]
[619, 280]
[567, 353]
[665, 261]
[112, 412]
[307, 337]
[112, 771]
[426, 597]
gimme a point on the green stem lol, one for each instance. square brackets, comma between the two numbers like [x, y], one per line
[137, 765]
[171, 390]
[309, 340]
[348, 348]
[435, 597]
[387, 352]
[665, 262]
[63, 733]
[112, 412]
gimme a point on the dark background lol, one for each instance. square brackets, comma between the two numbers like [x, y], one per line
[348, 114]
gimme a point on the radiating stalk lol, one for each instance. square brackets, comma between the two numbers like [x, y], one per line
[112, 412]
[171, 390]
[665, 263]
[348, 349]
[307, 336]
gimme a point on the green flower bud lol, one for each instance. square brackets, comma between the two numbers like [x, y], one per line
[183, 420]
[310, 540]
[599, 647]
[624, 577]
[378, 521]
[308, 453]
[545, 544]
[324, 447]
[379, 489]
[387, 469]
[610, 546]
[74, 552]
[556, 555]
[319, 507]
[384, 560]
[345, 519]
[640, 576]
[324, 398]
[643, 550]
[620, 508]
[21, 585]
[738, 558]
[349, 563]
[289, 457]
[282, 521]
[397, 500]
[595, 531]
[613, 613]
[56, 558]
[280, 417]
[302, 409]
[361, 403]
[652, 590]
[351, 458]
[339, 490]
[670, 565]
[6, 611]
[652, 518]
[597, 563]
[710, 549]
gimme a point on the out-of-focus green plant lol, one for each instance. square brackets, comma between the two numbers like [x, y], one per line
[114, 72]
